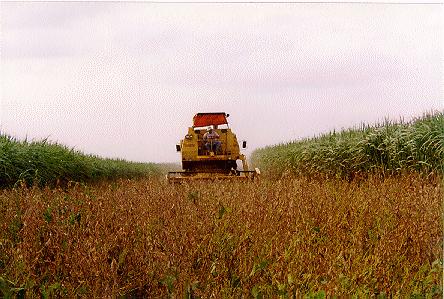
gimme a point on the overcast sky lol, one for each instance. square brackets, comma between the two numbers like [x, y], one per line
[125, 79]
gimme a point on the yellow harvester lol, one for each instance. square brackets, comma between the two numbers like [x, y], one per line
[201, 161]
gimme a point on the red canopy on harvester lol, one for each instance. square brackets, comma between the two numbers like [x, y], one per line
[208, 119]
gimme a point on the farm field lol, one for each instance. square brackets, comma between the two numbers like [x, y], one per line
[291, 237]
[355, 213]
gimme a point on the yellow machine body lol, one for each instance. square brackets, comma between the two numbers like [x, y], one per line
[200, 163]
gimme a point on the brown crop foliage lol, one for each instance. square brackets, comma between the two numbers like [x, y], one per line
[272, 238]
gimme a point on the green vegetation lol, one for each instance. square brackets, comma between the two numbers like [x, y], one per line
[46, 163]
[384, 148]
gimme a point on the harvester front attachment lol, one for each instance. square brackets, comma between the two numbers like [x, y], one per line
[189, 176]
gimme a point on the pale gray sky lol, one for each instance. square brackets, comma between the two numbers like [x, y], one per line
[125, 79]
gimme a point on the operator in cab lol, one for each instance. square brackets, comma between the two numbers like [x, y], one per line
[211, 139]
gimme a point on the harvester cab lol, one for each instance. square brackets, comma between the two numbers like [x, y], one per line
[210, 150]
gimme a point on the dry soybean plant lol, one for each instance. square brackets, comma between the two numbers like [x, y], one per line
[284, 238]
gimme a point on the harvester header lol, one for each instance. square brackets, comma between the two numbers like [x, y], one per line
[211, 152]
